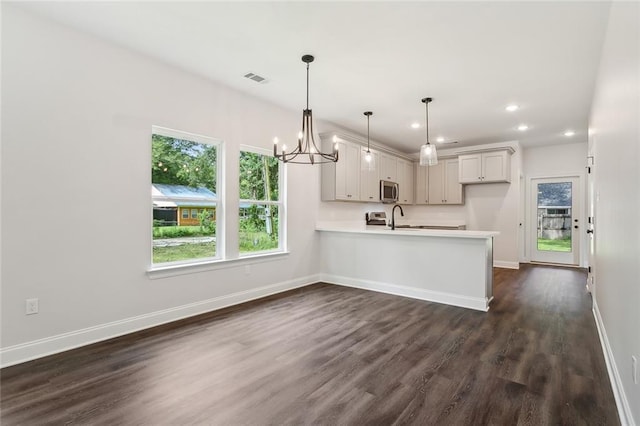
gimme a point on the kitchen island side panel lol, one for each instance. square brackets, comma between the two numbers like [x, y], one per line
[424, 267]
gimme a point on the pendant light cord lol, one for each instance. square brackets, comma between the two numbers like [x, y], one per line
[307, 85]
[427, 115]
[367, 133]
[368, 114]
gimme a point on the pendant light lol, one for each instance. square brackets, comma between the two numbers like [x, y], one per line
[428, 153]
[306, 150]
[368, 157]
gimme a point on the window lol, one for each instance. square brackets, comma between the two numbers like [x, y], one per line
[557, 211]
[261, 202]
[184, 180]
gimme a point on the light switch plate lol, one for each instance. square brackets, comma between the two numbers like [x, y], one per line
[31, 306]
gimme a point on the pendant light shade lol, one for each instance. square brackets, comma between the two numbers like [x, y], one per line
[428, 152]
[306, 150]
[428, 155]
[369, 158]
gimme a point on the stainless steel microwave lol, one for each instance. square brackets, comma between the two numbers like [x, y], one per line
[388, 191]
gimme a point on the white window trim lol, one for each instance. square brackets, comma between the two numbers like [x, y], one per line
[220, 185]
[166, 270]
[171, 269]
[281, 203]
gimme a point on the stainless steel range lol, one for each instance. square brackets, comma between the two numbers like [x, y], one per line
[376, 218]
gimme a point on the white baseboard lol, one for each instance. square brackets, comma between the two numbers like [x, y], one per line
[62, 342]
[505, 264]
[624, 410]
[477, 303]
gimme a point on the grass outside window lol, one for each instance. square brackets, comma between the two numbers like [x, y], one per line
[545, 244]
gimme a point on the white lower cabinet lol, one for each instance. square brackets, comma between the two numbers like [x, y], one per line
[439, 184]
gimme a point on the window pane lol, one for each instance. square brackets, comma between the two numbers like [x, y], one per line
[258, 177]
[258, 227]
[183, 176]
[554, 216]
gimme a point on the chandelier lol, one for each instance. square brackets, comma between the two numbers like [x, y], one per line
[428, 153]
[306, 151]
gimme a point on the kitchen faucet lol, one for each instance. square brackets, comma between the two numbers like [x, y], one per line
[393, 216]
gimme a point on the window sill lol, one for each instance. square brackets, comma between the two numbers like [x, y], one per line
[159, 272]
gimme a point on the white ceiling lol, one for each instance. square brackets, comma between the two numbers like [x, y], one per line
[473, 58]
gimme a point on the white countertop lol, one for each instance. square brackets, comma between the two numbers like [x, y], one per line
[361, 228]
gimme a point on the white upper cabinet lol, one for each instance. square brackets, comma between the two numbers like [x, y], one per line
[444, 187]
[486, 167]
[352, 178]
[470, 168]
[496, 166]
[436, 183]
[388, 168]
[453, 191]
[369, 180]
[439, 184]
[422, 184]
[405, 181]
[341, 180]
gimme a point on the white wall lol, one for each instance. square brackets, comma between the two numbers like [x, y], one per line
[615, 144]
[555, 161]
[76, 220]
[495, 207]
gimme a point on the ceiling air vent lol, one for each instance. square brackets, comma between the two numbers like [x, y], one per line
[255, 77]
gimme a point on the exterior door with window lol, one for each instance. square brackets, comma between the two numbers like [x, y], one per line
[554, 221]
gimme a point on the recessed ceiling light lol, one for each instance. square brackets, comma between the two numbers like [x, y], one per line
[512, 107]
[569, 133]
[523, 127]
[415, 125]
[440, 139]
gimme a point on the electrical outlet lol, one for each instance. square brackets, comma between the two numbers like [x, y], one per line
[634, 368]
[31, 306]
[247, 269]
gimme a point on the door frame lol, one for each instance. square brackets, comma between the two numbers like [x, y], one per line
[590, 238]
[530, 235]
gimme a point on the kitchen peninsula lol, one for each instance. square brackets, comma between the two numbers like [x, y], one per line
[454, 267]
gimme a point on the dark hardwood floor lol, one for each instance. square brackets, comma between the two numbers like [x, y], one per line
[332, 355]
